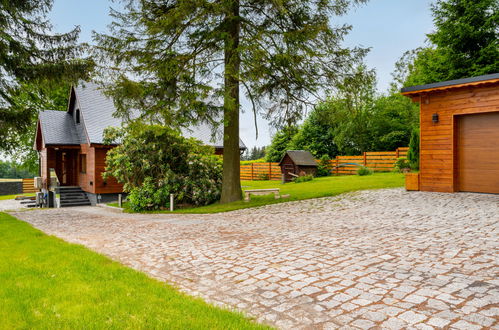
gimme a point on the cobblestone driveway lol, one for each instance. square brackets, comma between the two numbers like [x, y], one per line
[384, 258]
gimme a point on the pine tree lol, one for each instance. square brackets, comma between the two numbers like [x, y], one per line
[183, 61]
[31, 56]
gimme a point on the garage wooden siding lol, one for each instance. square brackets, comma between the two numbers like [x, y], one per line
[438, 166]
[478, 152]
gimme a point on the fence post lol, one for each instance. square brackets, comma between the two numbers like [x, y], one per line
[397, 153]
[270, 171]
[337, 164]
[252, 172]
[365, 159]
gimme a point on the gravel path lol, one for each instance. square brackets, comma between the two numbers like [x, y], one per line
[385, 258]
[10, 204]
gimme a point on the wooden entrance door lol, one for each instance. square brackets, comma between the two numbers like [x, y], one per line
[478, 153]
[66, 167]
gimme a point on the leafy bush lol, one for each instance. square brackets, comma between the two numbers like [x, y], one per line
[324, 168]
[303, 178]
[153, 162]
[401, 165]
[264, 176]
[364, 171]
[249, 162]
[413, 153]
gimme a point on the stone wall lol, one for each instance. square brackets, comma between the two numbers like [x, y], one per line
[11, 188]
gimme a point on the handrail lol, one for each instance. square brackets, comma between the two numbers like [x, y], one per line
[53, 174]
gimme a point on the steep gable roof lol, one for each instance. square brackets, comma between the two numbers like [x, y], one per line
[97, 113]
[96, 110]
[57, 127]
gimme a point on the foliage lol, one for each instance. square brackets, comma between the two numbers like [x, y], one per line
[316, 134]
[35, 97]
[32, 62]
[401, 165]
[253, 154]
[11, 170]
[362, 171]
[176, 61]
[248, 162]
[324, 167]
[413, 153]
[303, 178]
[280, 144]
[153, 162]
[464, 44]
[355, 120]
[264, 176]
[69, 278]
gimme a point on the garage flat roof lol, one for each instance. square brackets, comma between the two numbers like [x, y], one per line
[488, 78]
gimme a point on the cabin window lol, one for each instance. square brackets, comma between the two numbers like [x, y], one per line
[77, 116]
[83, 163]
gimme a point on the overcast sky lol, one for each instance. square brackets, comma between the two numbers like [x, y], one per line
[388, 27]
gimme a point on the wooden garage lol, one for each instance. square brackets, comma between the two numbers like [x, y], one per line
[459, 144]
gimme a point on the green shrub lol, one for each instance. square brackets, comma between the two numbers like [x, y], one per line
[249, 162]
[364, 171]
[303, 178]
[324, 168]
[153, 162]
[264, 176]
[401, 165]
[413, 153]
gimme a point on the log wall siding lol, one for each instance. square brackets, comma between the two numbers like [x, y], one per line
[438, 163]
[110, 185]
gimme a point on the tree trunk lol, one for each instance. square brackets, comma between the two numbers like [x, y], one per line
[231, 184]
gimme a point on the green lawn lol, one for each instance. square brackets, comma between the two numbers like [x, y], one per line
[47, 283]
[319, 187]
[4, 197]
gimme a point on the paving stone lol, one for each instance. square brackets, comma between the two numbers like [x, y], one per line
[463, 325]
[387, 257]
[438, 322]
[411, 317]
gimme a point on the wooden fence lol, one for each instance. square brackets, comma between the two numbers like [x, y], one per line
[378, 161]
[29, 186]
[261, 171]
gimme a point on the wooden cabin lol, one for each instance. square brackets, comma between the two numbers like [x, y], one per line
[459, 143]
[297, 163]
[71, 142]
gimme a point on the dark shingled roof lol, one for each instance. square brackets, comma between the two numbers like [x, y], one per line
[96, 113]
[58, 128]
[301, 157]
[450, 83]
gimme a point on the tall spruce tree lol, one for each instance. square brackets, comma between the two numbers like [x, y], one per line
[183, 61]
[30, 55]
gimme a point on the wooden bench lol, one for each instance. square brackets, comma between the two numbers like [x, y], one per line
[249, 192]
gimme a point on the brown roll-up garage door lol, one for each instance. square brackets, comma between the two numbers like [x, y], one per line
[478, 152]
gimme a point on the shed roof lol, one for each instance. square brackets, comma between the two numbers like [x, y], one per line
[442, 85]
[58, 127]
[300, 157]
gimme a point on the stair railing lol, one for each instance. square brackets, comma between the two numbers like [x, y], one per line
[53, 184]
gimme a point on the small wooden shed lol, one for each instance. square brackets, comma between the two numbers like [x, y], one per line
[297, 162]
[459, 143]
